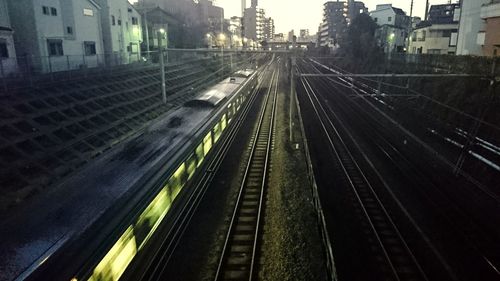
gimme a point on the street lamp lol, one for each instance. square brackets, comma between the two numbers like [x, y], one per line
[222, 38]
[392, 36]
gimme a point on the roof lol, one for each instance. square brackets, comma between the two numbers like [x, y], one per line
[156, 14]
[399, 11]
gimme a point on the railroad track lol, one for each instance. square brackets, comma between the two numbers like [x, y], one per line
[239, 259]
[475, 236]
[389, 246]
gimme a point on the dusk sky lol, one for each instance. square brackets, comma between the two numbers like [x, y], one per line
[307, 14]
[301, 14]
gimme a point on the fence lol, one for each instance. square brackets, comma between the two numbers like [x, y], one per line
[449, 63]
[21, 72]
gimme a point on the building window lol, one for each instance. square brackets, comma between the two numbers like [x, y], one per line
[113, 21]
[4, 52]
[46, 10]
[389, 19]
[119, 22]
[495, 52]
[375, 19]
[88, 12]
[55, 47]
[69, 30]
[135, 21]
[90, 49]
[53, 11]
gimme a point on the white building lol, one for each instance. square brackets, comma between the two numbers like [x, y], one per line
[56, 35]
[121, 31]
[471, 26]
[437, 39]
[8, 63]
[393, 27]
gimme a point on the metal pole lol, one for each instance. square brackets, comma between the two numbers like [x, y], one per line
[292, 96]
[147, 34]
[163, 85]
[3, 75]
[472, 134]
[379, 87]
[50, 69]
[28, 70]
[162, 71]
[231, 65]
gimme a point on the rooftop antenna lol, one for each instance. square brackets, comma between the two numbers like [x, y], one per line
[411, 9]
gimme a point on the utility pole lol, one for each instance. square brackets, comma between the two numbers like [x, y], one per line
[410, 29]
[162, 66]
[426, 10]
[292, 92]
[223, 37]
[411, 11]
[147, 29]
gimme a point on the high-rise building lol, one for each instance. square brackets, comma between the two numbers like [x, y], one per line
[243, 7]
[255, 3]
[336, 18]
[269, 29]
[253, 24]
[235, 26]
[304, 33]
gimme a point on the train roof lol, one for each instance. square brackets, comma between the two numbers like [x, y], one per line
[215, 95]
[244, 73]
[212, 98]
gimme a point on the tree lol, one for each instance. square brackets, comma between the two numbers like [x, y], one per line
[361, 44]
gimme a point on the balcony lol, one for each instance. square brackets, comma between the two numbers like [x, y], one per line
[490, 10]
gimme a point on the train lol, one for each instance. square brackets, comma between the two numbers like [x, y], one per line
[220, 105]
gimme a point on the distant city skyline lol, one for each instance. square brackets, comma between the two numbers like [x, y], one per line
[301, 14]
[308, 14]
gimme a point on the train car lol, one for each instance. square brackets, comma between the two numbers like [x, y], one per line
[219, 106]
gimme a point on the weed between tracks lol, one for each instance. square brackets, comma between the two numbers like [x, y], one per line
[291, 244]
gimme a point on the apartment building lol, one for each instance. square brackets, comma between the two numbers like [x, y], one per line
[489, 38]
[253, 24]
[269, 29]
[336, 18]
[121, 31]
[8, 61]
[393, 29]
[60, 35]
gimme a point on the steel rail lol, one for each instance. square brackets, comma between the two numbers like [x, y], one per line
[483, 188]
[364, 192]
[234, 262]
[392, 153]
[391, 75]
[163, 253]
